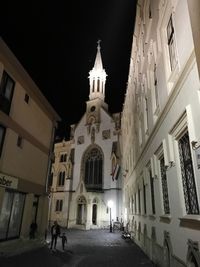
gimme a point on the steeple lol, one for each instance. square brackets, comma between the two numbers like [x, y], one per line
[97, 77]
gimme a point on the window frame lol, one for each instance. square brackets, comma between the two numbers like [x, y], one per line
[5, 103]
[3, 138]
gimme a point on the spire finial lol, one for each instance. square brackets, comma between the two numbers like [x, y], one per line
[98, 42]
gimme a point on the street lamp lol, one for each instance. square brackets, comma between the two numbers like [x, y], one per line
[110, 205]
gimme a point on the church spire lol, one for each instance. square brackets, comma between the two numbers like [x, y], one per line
[97, 77]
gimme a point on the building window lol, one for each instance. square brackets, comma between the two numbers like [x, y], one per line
[164, 186]
[93, 85]
[146, 118]
[93, 164]
[171, 43]
[152, 192]
[50, 179]
[2, 136]
[155, 86]
[144, 198]
[139, 203]
[135, 203]
[150, 10]
[26, 98]
[19, 141]
[69, 170]
[61, 179]
[63, 158]
[98, 85]
[6, 92]
[59, 205]
[188, 180]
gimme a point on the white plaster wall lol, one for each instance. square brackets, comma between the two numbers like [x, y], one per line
[105, 145]
[186, 85]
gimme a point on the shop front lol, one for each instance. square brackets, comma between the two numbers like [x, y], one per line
[11, 207]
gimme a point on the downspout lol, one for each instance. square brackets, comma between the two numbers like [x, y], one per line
[48, 172]
[50, 157]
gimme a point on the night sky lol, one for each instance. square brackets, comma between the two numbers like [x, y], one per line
[57, 44]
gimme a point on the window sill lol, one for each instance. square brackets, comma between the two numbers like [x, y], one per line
[190, 221]
[157, 111]
[60, 188]
[174, 73]
[173, 77]
[144, 215]
[165, 218]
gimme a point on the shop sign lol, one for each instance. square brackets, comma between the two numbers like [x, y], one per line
[8, 181]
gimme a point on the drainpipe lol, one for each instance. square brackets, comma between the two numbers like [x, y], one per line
[50, 157]
[48, 171]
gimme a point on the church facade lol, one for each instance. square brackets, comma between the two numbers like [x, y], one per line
[86, 173]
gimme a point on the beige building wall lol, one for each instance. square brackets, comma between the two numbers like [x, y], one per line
[26, 152]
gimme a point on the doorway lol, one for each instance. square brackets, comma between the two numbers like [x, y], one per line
[94, 214]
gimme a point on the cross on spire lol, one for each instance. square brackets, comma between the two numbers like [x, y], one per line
[98, 42]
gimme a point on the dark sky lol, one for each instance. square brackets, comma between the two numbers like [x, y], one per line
[56, 43]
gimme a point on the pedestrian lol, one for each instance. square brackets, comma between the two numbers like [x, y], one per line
[64, 240]
[55, 232]
[33, 229]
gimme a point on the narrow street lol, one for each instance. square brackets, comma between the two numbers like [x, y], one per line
[85, 248]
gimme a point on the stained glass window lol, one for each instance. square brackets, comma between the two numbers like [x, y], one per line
[93, 169]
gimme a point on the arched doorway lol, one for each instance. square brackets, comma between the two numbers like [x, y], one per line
[81, 211]
[94, 214]
[94, 211]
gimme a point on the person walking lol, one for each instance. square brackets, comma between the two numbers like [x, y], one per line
[64, 240]
[55, 232]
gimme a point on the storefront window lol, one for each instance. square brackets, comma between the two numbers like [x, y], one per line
[11, 215]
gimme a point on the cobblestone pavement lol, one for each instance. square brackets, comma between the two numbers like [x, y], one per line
[94, 248]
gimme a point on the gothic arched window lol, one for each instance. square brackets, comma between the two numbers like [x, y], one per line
[93, 166]
[61, 178]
